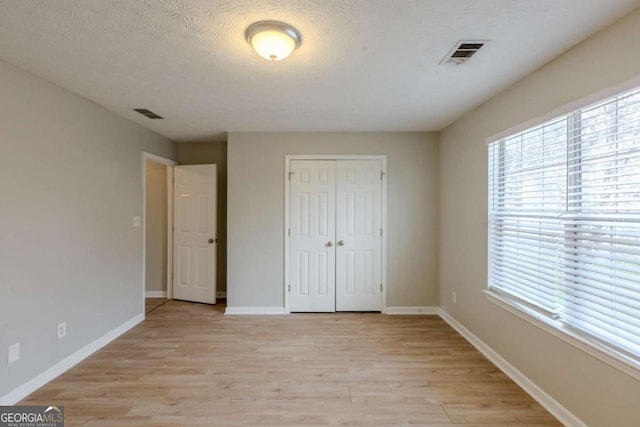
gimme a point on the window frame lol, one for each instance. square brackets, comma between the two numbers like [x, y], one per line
[533, 315]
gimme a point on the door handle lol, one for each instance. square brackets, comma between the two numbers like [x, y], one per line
[211, 241]
[329, 243]
[340, 242]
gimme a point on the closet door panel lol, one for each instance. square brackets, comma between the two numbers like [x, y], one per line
[358, 235]
[312, 242]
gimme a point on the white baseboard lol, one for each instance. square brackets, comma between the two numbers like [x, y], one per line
[67, 363]
[155, 294]
[411, 310]
[254, 310]
[420, 310]
[549, 403]
[221, 294]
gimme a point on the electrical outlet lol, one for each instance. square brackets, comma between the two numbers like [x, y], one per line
[62, 330]
[454, 297]
[13, 355]
[136, 221]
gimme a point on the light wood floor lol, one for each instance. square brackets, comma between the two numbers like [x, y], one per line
[189, 365]
[151, 304]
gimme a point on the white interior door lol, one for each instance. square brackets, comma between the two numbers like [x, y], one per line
[194, 233]
[359, 235]
[312, 241]
[335, 235]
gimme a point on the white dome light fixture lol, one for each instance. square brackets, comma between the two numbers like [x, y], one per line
[273, 40]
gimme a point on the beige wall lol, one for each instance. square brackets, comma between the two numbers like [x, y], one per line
[202, 152]
[597, 393]
[156, 228]
[256, 211]
[71, 183]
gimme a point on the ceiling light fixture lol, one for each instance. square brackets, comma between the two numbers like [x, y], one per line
[273, 40]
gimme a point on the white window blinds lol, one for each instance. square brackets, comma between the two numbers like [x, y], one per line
[564, 221]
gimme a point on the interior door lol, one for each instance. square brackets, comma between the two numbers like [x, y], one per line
[194, 233]
[335, 218]
[359, 235]
[312, 230]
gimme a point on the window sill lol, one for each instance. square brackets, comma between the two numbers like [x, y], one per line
[614, 359]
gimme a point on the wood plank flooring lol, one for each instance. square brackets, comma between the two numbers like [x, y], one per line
[189, 365]
[151, 304]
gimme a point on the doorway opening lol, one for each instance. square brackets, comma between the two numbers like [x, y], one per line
[157, 214]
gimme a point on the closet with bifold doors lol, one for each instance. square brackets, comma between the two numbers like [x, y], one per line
[335, 235]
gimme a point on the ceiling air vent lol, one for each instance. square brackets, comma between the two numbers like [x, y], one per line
[463, 51]
[148, 113]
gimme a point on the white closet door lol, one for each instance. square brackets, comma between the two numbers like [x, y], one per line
[358, 235]
[312, 227]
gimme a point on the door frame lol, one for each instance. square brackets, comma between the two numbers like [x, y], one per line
[287, 168]
[169, 164]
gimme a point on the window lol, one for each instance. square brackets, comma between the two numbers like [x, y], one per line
[564, 223]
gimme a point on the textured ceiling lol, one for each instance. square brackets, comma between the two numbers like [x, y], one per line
[364, 65]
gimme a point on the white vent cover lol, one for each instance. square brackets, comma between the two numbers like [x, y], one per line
[463, 51]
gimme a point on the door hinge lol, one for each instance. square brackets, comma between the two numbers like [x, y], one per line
[381, 175]
[290, 173]
[381, 231]
[380, 287]
[289, 287]
[289, 232]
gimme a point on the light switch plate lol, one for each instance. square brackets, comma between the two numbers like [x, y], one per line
[136, 221]
[62, 330]
[14, 353]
